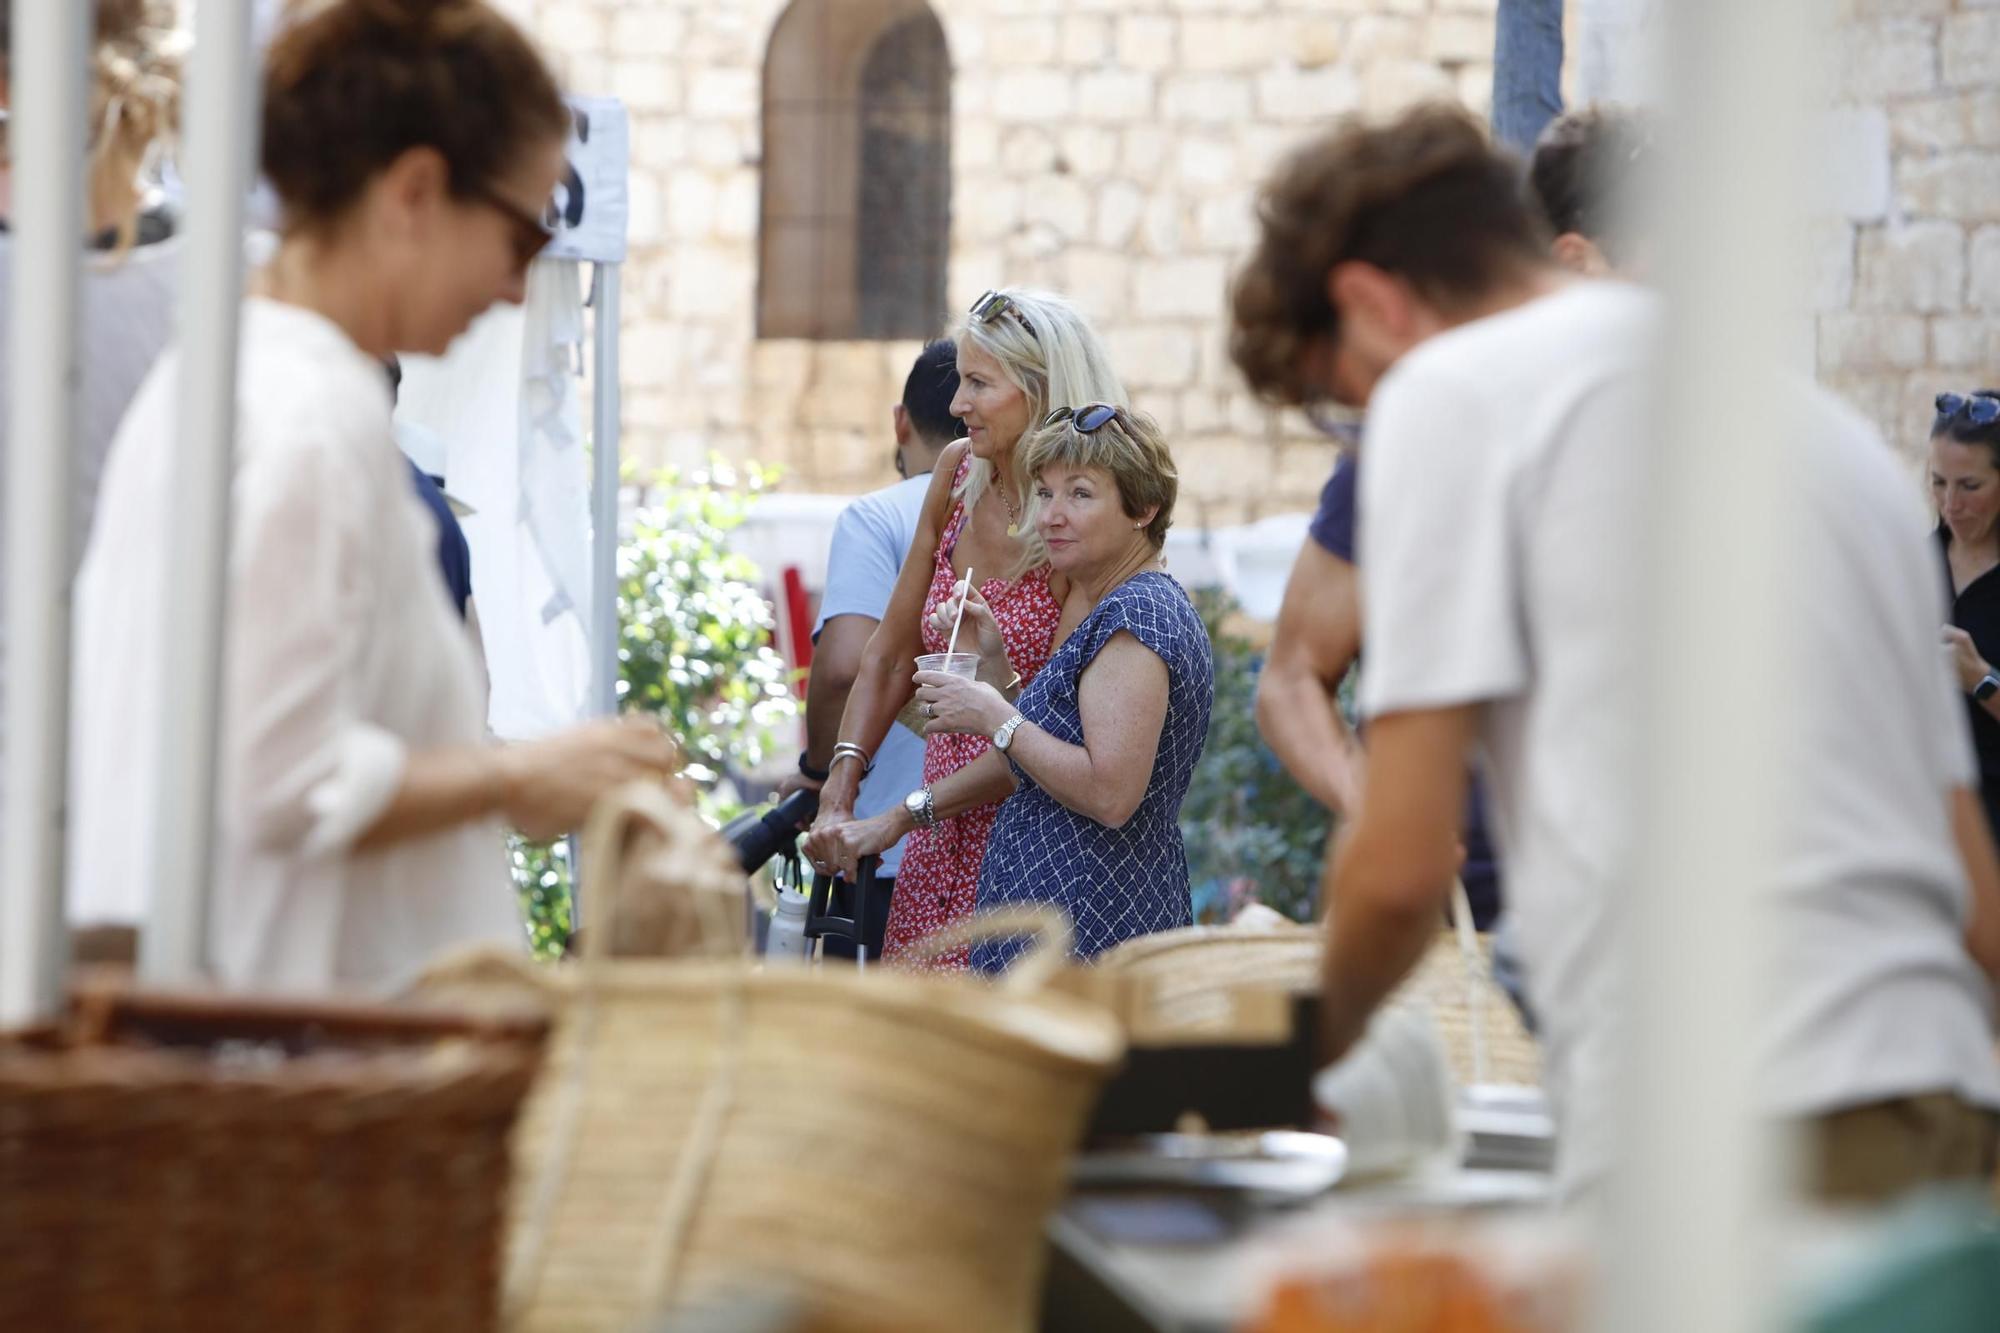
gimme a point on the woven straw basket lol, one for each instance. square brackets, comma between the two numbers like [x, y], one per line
[205, 1163]
[885, 1145]
[1454, 984]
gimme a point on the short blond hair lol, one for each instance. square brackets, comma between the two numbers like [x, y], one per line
[1130, 446]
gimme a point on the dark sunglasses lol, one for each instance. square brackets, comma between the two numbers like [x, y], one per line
[530, 235]
[1083, 420]
[994, 304]
[1979, 409]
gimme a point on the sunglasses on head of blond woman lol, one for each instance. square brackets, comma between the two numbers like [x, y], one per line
[994, 304]
[1083, 419]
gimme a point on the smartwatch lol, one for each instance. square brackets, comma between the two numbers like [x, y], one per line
[806, 770]
[1987, 687]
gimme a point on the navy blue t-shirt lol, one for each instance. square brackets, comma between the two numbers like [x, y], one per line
[454, 555]
[1333, 527]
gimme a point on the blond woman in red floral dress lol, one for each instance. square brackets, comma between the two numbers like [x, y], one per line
[1021, 354]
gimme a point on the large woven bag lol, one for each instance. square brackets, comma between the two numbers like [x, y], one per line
[203, 1162]
[886, 1146]
[1484, 1038]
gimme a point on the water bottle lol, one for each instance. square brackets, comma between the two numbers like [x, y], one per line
[787, 945]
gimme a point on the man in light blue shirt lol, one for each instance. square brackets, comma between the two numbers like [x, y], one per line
[870, 542]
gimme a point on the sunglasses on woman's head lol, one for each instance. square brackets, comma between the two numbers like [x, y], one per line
[1083, 419]
[1979, 409]
[994, 304]
[530, 235]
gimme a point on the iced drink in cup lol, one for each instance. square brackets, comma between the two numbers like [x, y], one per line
[952, 664]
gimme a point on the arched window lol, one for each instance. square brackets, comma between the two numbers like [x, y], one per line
[857, 172]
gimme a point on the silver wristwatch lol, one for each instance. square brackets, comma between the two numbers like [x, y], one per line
[919, 806]
[1005, 736]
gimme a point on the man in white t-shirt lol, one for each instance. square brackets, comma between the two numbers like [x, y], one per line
[871, 539]
[1400, 268]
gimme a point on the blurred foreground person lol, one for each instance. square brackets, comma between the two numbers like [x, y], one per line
[413, 145]
[1400, 269]
[1579, 167]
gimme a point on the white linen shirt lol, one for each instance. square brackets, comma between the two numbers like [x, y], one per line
[344, 656]
[1502, 501]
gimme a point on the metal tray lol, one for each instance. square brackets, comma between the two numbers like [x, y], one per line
[1285, 1163]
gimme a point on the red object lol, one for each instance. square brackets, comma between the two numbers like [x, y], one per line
[798, 624]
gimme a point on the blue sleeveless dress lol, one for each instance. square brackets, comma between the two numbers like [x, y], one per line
[1114, 883]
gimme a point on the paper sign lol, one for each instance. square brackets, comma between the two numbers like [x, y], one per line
[590, 206]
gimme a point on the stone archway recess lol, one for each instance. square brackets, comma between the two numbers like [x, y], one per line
[847, 81]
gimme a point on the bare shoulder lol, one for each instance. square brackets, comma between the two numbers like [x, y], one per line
[946, 473]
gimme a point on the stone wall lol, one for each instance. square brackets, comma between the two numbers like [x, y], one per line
[1106, 148]
[1909, 291]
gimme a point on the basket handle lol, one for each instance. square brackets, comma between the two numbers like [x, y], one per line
[605, 835]
[1468, 948]
[1031, 971]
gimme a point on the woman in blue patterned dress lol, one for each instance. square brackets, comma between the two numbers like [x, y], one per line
[1100, 748]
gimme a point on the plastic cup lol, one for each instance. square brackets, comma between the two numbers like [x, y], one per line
[965, 665]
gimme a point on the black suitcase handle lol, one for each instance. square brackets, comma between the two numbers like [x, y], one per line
[820, 920]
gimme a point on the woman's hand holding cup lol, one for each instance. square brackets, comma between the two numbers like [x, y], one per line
[951, 702]
[979, 633]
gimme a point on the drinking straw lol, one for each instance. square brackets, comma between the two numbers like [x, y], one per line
[964, 597]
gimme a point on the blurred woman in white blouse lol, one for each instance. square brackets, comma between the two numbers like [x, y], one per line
[412, 145]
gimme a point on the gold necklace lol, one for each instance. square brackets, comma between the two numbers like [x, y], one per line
[1013, 519]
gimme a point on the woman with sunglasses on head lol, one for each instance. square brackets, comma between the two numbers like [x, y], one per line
[411, 144]
[1020, 355]
[1964, 473]
[1098, 751]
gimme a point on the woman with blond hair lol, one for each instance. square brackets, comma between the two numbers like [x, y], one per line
[127, 293]
[1021, 354]
[1099, 750]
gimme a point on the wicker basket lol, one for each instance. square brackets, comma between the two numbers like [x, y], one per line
[202, 1162]
[886, 1145]
[1458, 991]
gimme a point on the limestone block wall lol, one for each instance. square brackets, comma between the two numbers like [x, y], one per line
[1107, 148]
[1908, 289]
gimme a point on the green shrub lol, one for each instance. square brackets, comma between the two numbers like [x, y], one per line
[1252, 833]
[694, 649]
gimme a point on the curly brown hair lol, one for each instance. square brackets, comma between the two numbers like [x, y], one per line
[1426, 196]
[350, 85]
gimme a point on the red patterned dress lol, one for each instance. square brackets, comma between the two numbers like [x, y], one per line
[939, 877]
